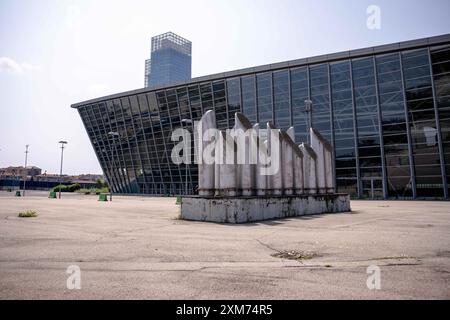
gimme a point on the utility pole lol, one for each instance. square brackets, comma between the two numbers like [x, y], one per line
[25, 178]
[60, 171]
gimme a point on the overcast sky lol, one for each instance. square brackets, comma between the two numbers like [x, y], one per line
[55, 53]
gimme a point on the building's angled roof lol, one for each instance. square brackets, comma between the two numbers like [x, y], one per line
[405, 45]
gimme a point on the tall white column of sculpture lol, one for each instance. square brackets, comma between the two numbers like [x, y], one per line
[261, 160]
[274, 142]
[309, 168]
[299, 184]
[324, 162]
[245, 174]
[287, 168]
[218, 158]
[206, 170]
[225, 165]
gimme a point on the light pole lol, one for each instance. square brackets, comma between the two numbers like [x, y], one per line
[60, 171]
[309, 111]
[187, 122]
[25, 178]
[113, 134]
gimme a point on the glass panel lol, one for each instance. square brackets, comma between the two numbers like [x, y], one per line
[249, 98]
[281, 99]
[341, 87]
[367, 124]
[321, 99]
[132, 162]
[233, 98]
[206, 97]
[440, 58]
[416, 70]
[194, 102]
[264, 90]
[220, 104]
[394, 127]
[299, 93]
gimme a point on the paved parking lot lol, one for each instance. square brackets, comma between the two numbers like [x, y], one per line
[137, 248]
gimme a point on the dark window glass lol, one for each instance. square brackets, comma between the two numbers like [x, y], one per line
[264, 97]
[220, 104]
[440, 59]
[299, 93]
[392, 107]
[341, 91]
[416, 70]
[281, 99]
[321, 99]
[249, 98]
[206, 97]
[233, 98]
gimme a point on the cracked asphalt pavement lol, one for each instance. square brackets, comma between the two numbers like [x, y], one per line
[137, 248]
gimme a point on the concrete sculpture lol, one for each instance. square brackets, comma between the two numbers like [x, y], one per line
[250, 174]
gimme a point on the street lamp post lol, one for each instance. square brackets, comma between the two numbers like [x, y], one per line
[60, 170]
[25, 178]
[309, 111]
[187, 122]
[113, 134]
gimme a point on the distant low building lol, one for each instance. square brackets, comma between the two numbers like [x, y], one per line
[82, 178]
[29, 171]
[52, 177]
[13, 177]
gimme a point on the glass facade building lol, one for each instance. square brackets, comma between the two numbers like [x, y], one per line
[386, 111]
[170, 60]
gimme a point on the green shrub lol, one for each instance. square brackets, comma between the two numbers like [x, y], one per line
[100, 184]
[103, 190]
[60, 186]
[74, 187]
[67, 188]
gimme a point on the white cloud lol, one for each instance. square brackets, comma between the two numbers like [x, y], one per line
[73, 14]
[8, 65]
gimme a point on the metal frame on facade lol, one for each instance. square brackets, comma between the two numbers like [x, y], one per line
[121, 181]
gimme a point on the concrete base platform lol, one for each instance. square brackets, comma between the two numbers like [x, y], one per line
[250, 209]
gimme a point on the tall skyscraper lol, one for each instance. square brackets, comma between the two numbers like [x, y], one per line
[170, 60]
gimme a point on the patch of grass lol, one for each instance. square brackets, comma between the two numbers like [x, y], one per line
[93, 190]
[394, 257]
[67, 188]
[28, 214]
[295, 255]
[85, 191]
